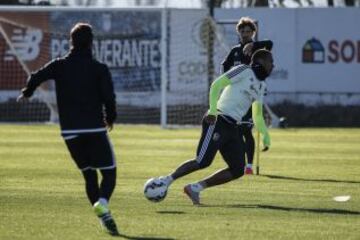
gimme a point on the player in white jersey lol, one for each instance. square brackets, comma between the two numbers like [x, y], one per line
[242, 86]
[241, 54]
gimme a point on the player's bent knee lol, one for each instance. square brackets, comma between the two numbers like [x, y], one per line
[204, 164]
[237, 172]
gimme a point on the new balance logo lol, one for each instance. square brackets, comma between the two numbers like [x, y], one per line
[26, 43]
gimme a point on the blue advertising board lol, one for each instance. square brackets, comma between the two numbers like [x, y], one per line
[127, 41]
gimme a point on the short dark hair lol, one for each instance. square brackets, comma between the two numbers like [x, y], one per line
[260, 54]
[246, 21]
[81, 36]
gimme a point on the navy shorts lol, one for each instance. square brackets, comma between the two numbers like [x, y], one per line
[91, 151]
[245, 128]
[224, 137]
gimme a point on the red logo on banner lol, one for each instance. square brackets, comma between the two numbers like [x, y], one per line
[23, 47]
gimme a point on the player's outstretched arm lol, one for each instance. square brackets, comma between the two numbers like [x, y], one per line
[267, 44]
[214, 94]
[21, 98]
[35, 79]
[251, 47]
[257, 113]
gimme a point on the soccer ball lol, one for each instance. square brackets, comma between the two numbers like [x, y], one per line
[155, 190]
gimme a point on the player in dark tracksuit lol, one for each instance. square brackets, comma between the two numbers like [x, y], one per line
[87, 107]
[241, 54]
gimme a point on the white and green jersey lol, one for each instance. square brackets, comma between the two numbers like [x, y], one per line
[243, 90]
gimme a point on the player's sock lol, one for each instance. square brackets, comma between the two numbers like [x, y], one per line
[193, 192]
[248, 169]
[197, 187]
[167, 179]
[103, 201]
[100, 209]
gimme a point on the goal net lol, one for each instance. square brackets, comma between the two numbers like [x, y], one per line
[197, 63]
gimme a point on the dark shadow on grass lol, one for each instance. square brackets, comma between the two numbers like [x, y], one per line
[290, 209]
[143, 238]
[308, 179]
[170, 212]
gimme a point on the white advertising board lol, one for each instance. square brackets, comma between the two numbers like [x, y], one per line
[328, 50]
[187, 57]
[315, 50]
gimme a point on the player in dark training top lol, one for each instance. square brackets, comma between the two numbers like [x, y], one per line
[87, 108]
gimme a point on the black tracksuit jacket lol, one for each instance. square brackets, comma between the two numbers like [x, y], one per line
[84, 90]
[237, 57]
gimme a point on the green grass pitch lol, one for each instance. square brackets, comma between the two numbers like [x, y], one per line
[42, 194]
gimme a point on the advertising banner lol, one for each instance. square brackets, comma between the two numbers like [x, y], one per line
[328, 50]
[30, 44]
[314, 52]
[128, 42]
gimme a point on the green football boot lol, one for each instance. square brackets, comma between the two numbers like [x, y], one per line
[106, 220]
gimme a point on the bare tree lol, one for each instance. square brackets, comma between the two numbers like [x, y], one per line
[260, 3]
[78, 2]
[146, 2]
[330, 3]
[10, 2]
[64, 3]
[109, 3]
[90, 2]
[350, 3]
[214, 3]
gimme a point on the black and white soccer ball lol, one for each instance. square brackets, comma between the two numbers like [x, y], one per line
[155, 189]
